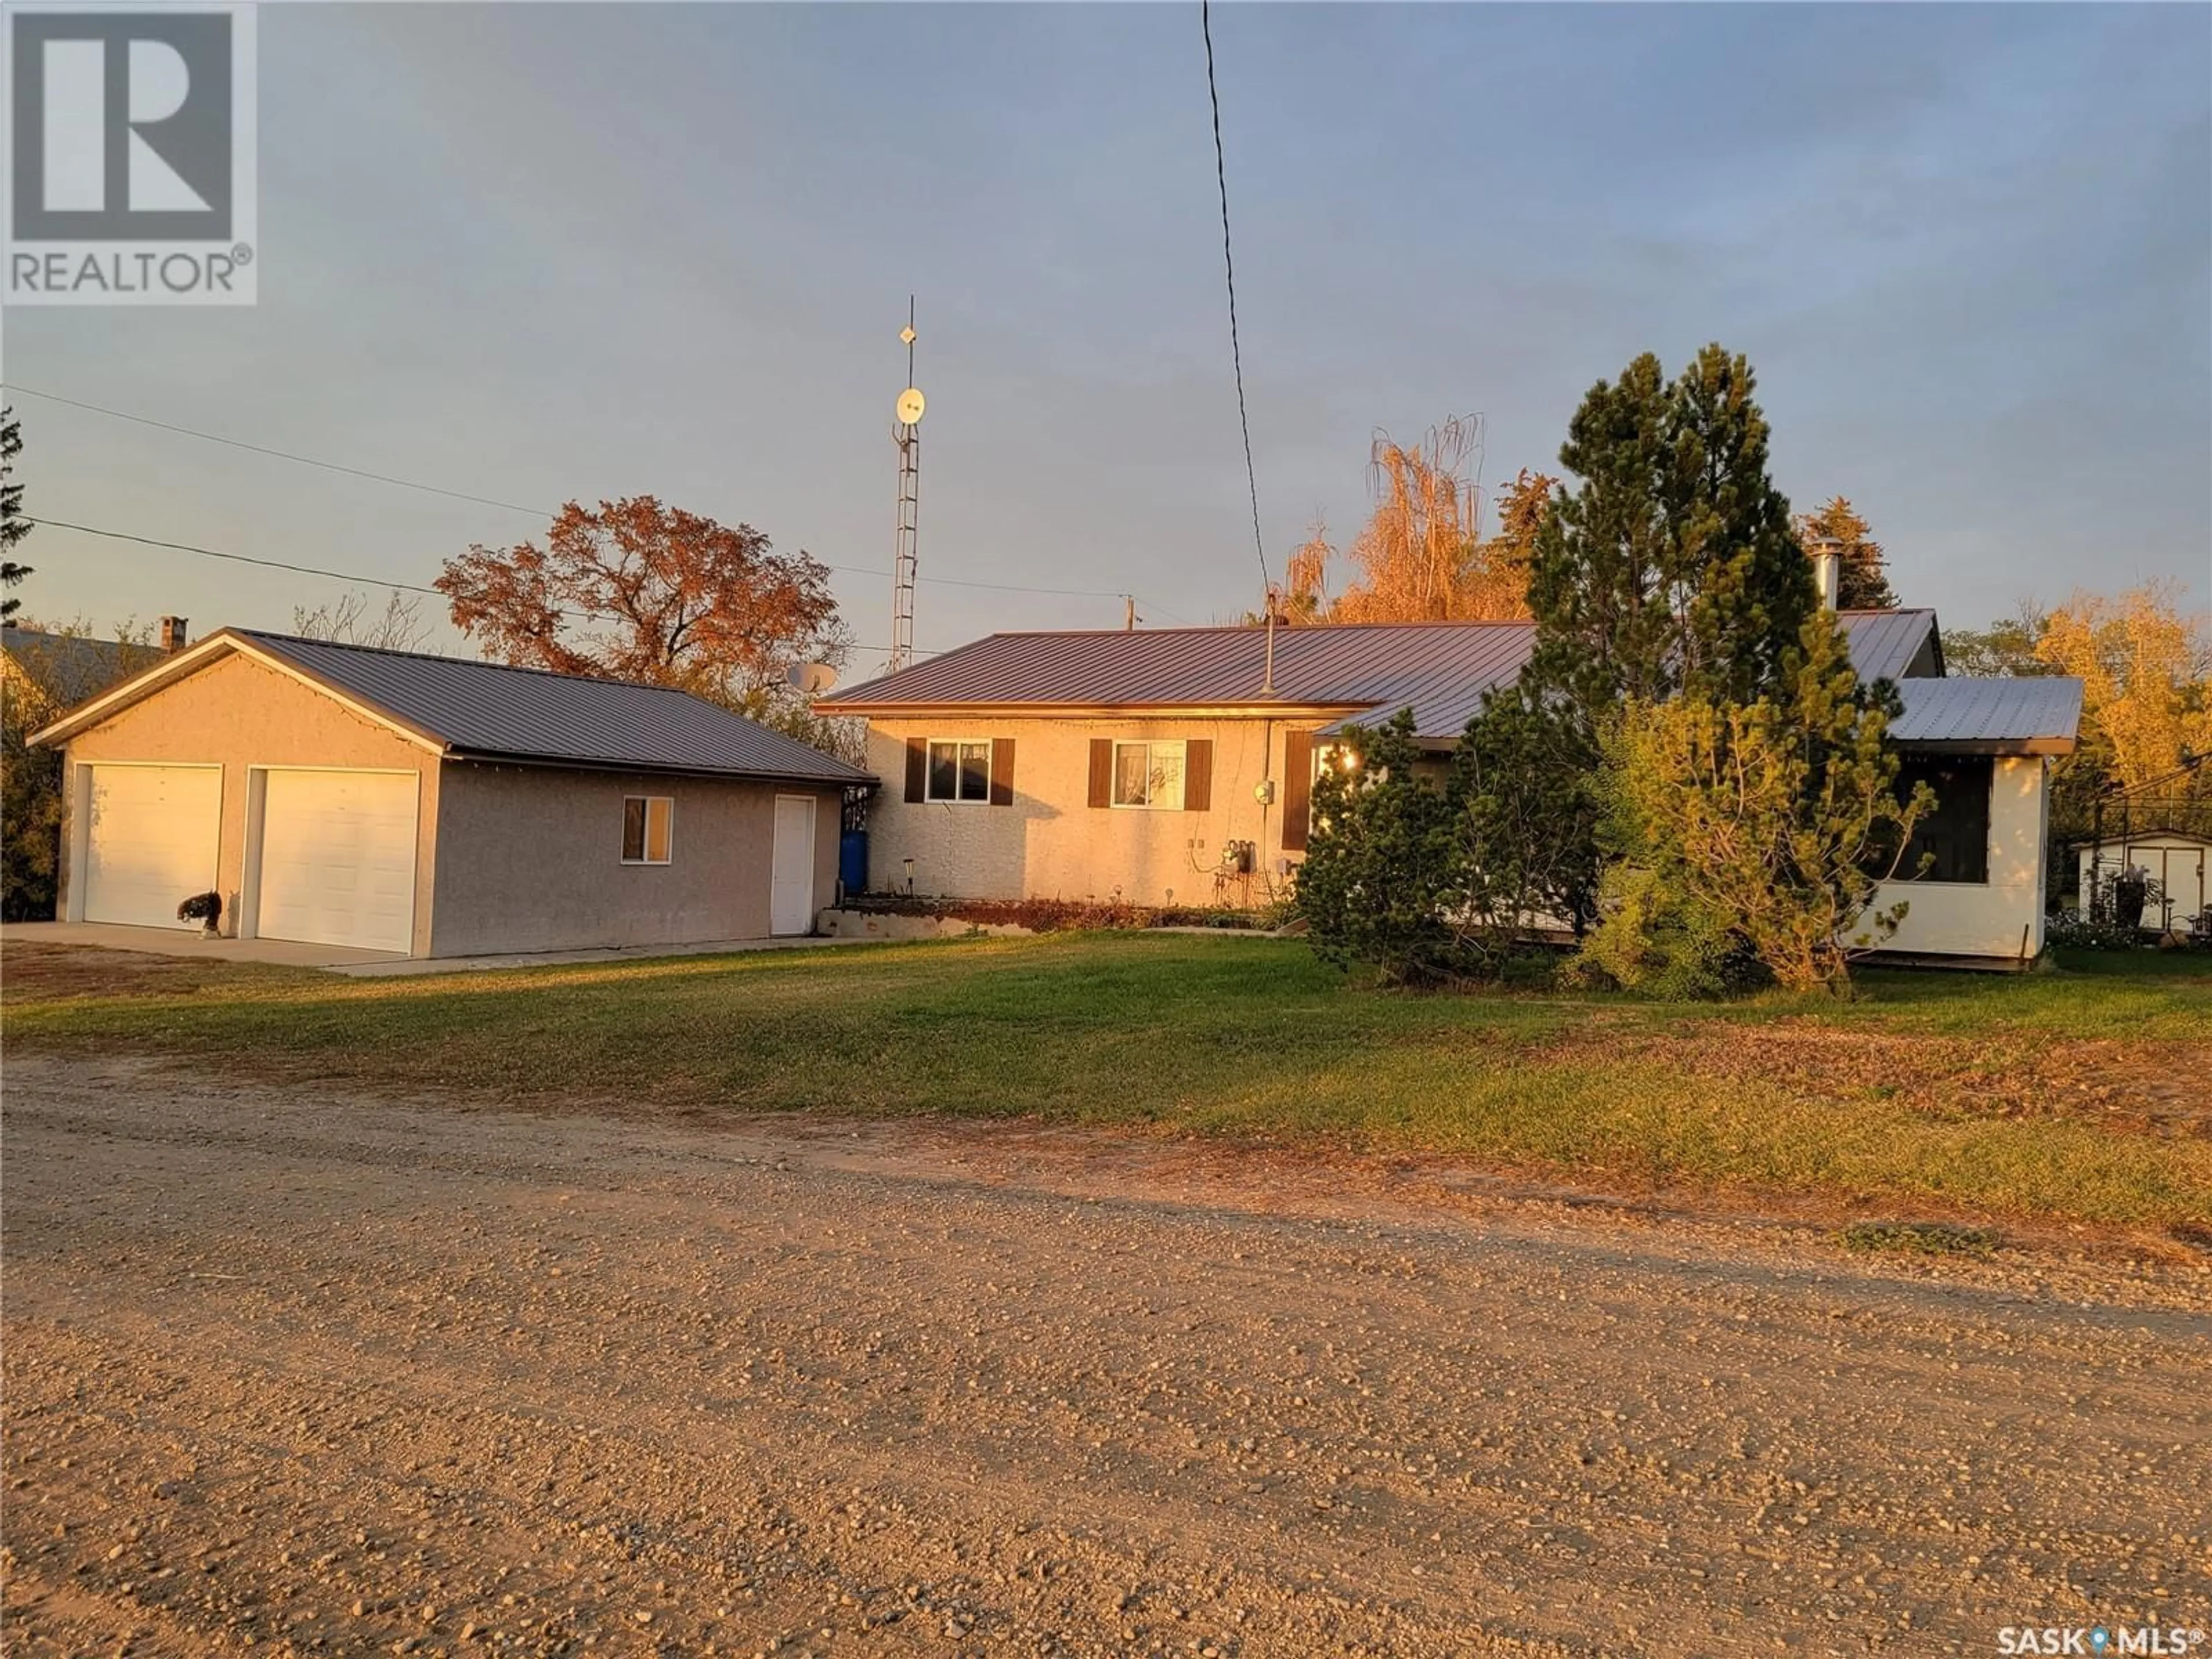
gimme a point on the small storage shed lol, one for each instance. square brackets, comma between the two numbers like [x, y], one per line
[2175, 860]
[432, 806]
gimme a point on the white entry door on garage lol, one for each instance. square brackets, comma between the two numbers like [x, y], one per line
[151, 841]
[791, 881]
[337, 858]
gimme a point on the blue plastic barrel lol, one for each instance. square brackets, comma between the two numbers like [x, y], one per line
[852, 860]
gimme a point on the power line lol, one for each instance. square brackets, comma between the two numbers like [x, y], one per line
[1229, 264]
[316, 570]
[282, 454]
[247, 558]
[491, 500]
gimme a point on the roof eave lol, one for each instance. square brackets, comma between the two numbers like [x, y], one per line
[2043, 745]
[1253, 710]
[854, 779]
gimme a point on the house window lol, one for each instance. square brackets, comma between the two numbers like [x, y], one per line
[959, 770]
[647, 820]
[1952, 841]
[1149, 774]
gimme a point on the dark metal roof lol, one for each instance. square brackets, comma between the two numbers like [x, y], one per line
[1439, 670]
[2036, 715]
[492, 712]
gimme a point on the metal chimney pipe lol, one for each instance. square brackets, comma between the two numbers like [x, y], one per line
[1828, 569]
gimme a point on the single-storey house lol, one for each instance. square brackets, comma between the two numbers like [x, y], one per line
[2174, 858]
[1174, 765]
[432, 806]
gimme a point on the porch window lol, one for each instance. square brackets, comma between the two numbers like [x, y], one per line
[1149, 774]
[1954, 839]
[646, 821]
[959, 770]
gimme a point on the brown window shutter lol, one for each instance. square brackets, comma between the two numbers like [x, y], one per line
[917, 767]
[1101, 771]
[1297, 788]
[1002, 771]
[1198, 775]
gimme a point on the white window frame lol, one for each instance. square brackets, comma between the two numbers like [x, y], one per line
[645, 836]
[929, 767]
[1182, 775]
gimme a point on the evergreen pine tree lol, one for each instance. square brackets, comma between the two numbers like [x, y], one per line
[1670, 565]
[14, 526]
[1737, 576]
[1673, 563]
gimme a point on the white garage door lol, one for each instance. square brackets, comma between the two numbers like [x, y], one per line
[337, 858]
[150, 842]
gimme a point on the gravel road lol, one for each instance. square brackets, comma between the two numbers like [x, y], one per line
[318, 1373]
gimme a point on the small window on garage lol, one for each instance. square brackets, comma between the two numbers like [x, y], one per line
[647, 820]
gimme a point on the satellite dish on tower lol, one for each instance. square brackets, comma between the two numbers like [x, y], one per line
[911, 405]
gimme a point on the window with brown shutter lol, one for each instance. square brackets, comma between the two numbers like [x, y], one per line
[1101, 771]
[1002, 771]
[1297, 788]
[960, 771]
[1198, 775]
[917, 768]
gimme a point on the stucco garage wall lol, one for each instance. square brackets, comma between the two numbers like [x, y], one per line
[1985, 919]
[237, 714]
[531, 859]
[1050, 842]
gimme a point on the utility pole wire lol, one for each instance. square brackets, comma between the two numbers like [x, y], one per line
[334, 575]
[1229, 264]
[547, 514]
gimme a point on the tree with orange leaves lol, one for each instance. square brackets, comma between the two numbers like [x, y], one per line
[636, 591]
[2146, 674]
[1420, 557]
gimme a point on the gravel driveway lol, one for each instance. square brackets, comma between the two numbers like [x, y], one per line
[316, 1373]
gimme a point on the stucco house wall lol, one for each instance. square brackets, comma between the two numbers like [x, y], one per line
[1049, 842]
[2001, 918]
[237, 714]
[532, 860]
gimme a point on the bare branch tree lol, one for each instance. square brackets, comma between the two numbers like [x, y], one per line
[348, 620]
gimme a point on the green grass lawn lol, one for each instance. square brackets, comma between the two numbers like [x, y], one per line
[2081, 1095]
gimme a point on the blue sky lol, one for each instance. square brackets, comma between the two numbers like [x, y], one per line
[537, 252]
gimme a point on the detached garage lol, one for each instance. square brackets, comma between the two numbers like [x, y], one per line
[426, 805]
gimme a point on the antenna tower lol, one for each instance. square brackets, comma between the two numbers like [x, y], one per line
[906, 432]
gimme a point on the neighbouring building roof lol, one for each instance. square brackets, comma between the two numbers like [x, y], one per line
[2141, 837]
[1361, 671]
[2040, 715]
[488, 711]
[75, 660]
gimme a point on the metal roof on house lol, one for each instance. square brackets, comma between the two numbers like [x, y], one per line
[488, 711]
[2036, 715]
[1367, 670]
